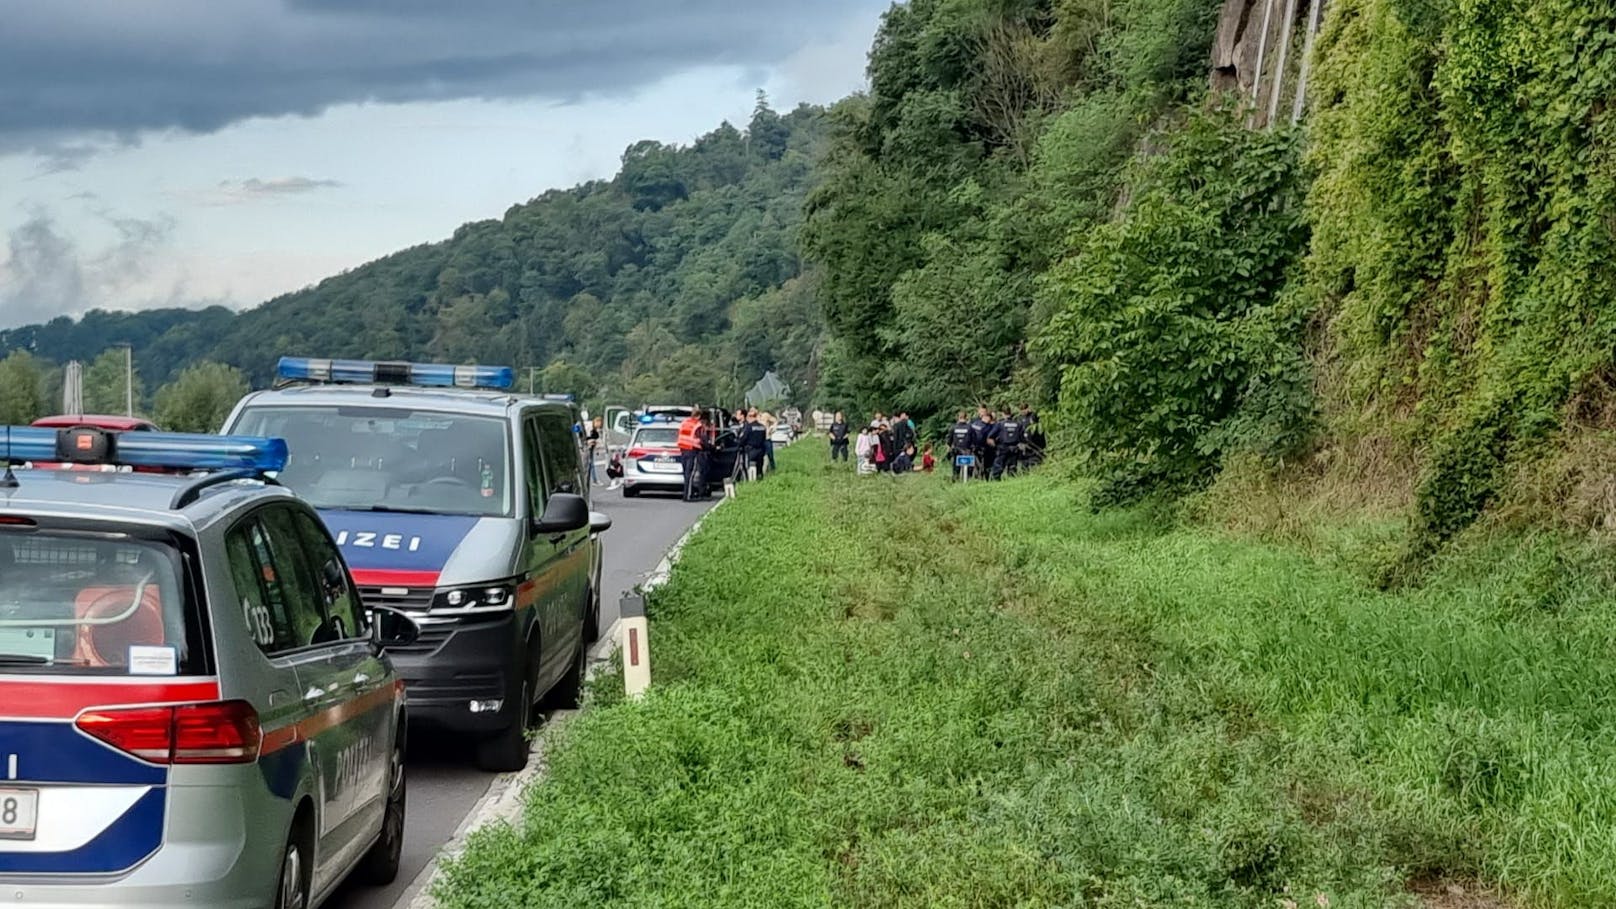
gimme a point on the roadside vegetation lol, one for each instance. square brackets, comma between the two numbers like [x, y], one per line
[874, 694]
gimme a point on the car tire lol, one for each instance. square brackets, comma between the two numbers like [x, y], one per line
[592, 619]
[507, 751]
[292, 890]
[570, 690]
[380, 865]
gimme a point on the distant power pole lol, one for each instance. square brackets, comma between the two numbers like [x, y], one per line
[129, 380]
[73, 387]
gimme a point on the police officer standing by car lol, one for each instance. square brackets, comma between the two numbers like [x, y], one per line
[1012, 432]
[754, 439]
[961, 442]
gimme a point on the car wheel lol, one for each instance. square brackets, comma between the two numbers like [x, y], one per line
[592, 619]
[293, 892]
[570, 690]
[507, 751]
[380, 865]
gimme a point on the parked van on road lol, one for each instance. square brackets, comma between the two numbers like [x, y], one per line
[464, 506]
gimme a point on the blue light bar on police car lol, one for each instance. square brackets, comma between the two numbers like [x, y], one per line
[170, 450]
[364, 372]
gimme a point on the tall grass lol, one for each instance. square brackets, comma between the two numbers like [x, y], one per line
[900, 693]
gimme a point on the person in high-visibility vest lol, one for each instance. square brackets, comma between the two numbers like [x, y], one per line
[690, 446]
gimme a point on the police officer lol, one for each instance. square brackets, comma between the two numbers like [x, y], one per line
[1033, 450]
[961, 442]
[903, 432]
[979, 436]
[1012, 433]
[838, 437]
[755, 439]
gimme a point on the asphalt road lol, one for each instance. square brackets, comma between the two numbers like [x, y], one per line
[443, 783]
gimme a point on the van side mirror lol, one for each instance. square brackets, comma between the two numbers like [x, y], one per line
[564, 513]
[391, 628]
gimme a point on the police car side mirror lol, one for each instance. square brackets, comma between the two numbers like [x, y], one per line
[391, 628]
[564, 514]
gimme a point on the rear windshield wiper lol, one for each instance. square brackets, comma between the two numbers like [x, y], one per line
[23, 659]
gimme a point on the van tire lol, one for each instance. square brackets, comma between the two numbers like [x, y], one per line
[507, 751]
[568, 692]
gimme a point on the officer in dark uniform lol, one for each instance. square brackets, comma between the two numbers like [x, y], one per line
[754, 443]
[987, 444]
[979, 437]
[961, 442]
[1012, 433]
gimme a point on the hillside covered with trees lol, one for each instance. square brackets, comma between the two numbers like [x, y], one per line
[678, 278]
[1406, 295]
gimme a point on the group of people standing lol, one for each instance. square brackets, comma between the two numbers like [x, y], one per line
[993, 446]
[887, 445]
[698, 442]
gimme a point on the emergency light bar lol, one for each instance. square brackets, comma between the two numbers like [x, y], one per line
[367, 372]
[170, 450]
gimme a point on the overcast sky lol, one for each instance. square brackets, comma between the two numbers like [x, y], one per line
[184, 152]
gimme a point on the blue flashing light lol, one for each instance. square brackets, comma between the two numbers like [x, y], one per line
[169, 450]
[364, 372]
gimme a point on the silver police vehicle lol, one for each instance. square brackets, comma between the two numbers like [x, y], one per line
[466, 507]
[194, 709]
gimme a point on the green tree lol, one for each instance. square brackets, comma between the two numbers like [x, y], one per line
[200, 398]
[106, 384]
[22, 389]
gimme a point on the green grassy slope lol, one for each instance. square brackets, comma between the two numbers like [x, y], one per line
[901, 693]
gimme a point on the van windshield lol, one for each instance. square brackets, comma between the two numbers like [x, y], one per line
[97, 604]
[390, 459]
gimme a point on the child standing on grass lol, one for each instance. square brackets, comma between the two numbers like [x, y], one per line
[865, 451]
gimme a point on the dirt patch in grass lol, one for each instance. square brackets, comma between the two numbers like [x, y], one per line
[1440, 893]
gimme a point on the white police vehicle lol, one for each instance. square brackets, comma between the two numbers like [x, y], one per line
[465, 506]
[194, 709]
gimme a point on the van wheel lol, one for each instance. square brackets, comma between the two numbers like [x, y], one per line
[507, 751]
[380, 865]
[293, 891]
[570, 690]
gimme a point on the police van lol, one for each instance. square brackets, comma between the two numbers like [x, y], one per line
[194, 708]
[463, 505]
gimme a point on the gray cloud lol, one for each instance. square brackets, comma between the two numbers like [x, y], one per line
[46, 275]
[255, 188]
[113, 68]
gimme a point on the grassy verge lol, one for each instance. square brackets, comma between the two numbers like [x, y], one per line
[881, 694]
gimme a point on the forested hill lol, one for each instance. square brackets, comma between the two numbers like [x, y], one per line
[678, 277]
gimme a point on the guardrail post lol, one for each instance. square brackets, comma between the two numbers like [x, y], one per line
[635, 645]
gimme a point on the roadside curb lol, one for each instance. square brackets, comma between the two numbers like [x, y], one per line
[502, 803]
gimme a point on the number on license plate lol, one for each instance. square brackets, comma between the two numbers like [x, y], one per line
[19, 813]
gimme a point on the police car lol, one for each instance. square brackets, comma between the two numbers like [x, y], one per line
[467, 507]
[194, 709]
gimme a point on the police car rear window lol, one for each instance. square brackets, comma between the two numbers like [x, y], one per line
[390, 458]
[100, 605]
[660, 435]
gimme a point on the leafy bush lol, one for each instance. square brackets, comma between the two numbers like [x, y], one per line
[1173, 342]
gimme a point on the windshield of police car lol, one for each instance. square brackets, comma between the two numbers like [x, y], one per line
[390, 459]
[76, 604]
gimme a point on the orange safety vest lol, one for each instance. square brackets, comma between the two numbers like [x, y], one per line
[690, 435]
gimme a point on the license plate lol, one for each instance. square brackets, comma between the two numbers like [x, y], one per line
[29, 642]
[660, 467]
[19, 813]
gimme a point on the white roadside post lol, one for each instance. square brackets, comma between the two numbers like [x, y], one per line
[635, 645]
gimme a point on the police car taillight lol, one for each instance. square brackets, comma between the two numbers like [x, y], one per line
[226, 732]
